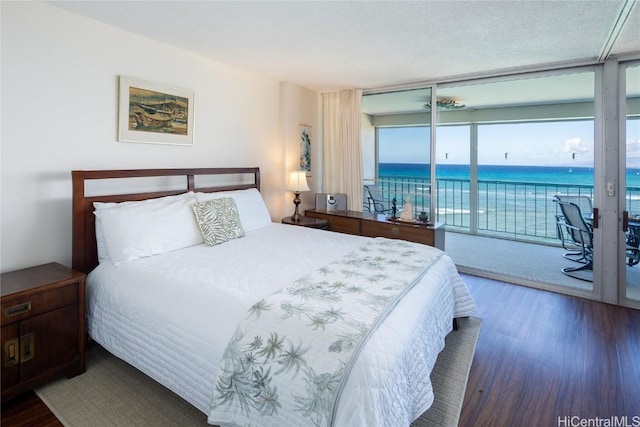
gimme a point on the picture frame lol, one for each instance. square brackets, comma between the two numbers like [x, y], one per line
[154, 113]
[305, 148]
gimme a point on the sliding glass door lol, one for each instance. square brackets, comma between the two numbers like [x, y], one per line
[453, 177]
[398, 125]
[502, 156]
[508, 150]
[630, 262]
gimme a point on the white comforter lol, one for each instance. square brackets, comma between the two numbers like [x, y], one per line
[172, 315]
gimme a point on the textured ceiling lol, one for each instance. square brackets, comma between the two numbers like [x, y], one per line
[331, 45]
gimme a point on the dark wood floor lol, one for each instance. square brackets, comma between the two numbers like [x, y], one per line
[27, 410]
[540, 356]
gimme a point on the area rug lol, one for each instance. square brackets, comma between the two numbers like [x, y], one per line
[112, 393]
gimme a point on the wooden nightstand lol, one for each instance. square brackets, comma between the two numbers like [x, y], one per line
[43, 326]
[306, 221]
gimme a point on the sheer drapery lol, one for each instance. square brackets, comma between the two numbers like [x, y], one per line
[342, 156]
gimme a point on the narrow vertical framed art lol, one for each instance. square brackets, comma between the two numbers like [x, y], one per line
[305, 148]
[154, 113]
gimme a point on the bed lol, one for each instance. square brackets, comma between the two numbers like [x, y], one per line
[178, 309]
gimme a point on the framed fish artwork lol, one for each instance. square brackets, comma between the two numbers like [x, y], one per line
[154, 113]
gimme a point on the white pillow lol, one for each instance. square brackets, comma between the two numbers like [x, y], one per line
[143, 229]
[103, 252]
[251, 207]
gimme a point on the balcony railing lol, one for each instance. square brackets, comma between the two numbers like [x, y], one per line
[508, 209]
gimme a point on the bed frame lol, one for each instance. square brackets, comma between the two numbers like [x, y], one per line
[84, 248]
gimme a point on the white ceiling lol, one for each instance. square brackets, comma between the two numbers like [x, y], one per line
[332, 45]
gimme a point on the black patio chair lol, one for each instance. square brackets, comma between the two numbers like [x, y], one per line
[574, 250]
[374, 201]
[581, 234]
[584, 202]
[633, 245]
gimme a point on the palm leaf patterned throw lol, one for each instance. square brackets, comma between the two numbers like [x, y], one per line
[289, 359]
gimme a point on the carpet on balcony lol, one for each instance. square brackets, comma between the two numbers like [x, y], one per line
[522, 263]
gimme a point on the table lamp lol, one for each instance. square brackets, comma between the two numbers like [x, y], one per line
[297, 184]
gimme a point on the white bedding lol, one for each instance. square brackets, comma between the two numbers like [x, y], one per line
[172, 315]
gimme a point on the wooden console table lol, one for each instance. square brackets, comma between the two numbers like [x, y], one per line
[379, 225]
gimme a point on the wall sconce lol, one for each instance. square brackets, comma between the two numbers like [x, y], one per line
[297, 184]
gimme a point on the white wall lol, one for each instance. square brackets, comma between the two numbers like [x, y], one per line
[300, 106]
[59, 113]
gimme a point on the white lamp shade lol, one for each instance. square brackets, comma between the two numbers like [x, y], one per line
[298, 181]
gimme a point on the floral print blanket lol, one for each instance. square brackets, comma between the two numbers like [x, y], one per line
[289, 359]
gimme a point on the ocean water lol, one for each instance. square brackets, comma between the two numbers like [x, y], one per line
[505, 204]
[536, 174]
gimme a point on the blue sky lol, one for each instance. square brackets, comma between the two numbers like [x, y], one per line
[544, 143]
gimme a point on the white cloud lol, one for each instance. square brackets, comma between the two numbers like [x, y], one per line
[575, 145]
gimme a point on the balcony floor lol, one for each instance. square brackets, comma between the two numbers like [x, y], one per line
[522, 263]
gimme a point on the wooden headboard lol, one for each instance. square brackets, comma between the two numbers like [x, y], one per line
[84, 251]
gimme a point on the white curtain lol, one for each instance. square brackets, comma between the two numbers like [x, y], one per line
[342, 157]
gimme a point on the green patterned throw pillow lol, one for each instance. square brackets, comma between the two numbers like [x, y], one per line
[218, 220]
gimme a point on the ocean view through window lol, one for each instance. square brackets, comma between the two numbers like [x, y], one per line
[508, 194]
[494, 166]
[516, 181]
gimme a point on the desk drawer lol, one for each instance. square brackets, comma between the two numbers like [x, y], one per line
[344, 225]
[398, 231]
[341, 224]
[18, 308]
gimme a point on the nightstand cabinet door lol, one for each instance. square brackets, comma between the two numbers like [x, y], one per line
[45, 351]
[10, 355]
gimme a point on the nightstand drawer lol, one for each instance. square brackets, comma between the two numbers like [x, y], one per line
[22, 307]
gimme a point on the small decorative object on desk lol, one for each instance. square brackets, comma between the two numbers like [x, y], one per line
[407, 212]
[423, 217]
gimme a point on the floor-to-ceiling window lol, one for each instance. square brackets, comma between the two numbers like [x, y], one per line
[529, 138]
[505, 146]
[401, 138]
[631, 176]
[453, 178]
[523, 165]
[404, 165]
